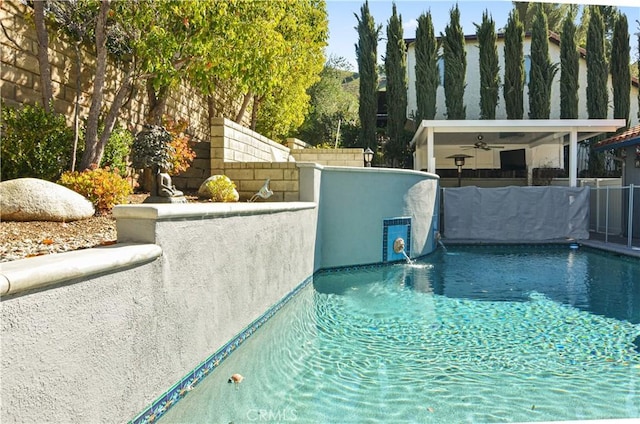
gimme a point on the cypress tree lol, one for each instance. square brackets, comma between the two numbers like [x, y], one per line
[514, 66]
[597, 73]
[542, 70]
[455, 66]
[366, 55]
[620, 72]
[569, 68]
[427, 74]
[395, 64]
[489, 68]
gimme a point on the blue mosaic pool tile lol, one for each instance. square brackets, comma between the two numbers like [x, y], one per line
[161, 405]
[392, 229]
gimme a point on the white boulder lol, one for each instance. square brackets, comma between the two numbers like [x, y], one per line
[31, 199]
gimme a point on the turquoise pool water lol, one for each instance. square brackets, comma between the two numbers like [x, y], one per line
[500, 334]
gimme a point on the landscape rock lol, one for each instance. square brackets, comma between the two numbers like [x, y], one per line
[32, 199]
[224, 191]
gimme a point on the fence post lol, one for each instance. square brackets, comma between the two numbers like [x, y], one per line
[630, 217]
[606, 217]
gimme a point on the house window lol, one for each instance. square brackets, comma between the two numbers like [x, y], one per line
[441, 69]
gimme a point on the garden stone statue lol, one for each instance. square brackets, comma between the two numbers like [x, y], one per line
[163, 191]
[164, 187]
[151, 151]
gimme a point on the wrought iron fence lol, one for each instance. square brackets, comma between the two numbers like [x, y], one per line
[615, 212]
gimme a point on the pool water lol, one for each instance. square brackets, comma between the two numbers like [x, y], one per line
[478, 334]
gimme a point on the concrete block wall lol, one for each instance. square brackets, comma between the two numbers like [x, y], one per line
[330, 157]
[231, 142]
[249, 177]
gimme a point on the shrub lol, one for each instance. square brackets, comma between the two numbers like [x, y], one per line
[117, 150]
[103, 187]
[34, 143]
[151, 148]
[220, 189]
[182, 155]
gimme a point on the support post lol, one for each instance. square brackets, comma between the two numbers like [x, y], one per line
[431, 160]
[630, 217]
[573, 158]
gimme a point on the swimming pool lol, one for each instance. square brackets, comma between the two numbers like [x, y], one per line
[478, 334]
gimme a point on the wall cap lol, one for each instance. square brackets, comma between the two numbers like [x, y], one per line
[41, 271]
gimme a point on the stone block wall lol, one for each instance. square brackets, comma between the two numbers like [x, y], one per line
[249, 177]
[231, 142]
[330, 157]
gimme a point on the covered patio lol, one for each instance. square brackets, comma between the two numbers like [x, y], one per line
[543, 141]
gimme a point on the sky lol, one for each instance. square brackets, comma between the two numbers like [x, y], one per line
[342, 22]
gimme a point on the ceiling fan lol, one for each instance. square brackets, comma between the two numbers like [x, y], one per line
[482, 145]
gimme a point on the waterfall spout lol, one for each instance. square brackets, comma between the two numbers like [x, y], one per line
[442, 245]
[398, 247]
[409, 261]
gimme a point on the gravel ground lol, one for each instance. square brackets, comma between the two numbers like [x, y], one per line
[19, 240]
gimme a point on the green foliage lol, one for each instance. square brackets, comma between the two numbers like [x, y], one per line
[117, 150]
[555, 12]
[597, 70]
[514, 67]
[151, 148]
[455, 66]
[330, 103]
[427, 73]
[597, 75]
[489, 67]
[542, 70]
[35, 143]
[569, 71]
[397, 153]
[366, 55]
[221, 189]
[103, 187]
[300, 37]
[396, 70]
[182, 155]
[620, 72]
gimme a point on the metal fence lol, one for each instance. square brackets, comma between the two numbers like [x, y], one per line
[615, 213]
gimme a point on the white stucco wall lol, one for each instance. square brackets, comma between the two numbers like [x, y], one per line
[354, 203]
[103, 348]
[472, 91]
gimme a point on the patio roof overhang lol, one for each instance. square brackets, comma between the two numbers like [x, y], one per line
[526, 132]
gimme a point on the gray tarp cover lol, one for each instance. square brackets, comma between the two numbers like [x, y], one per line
[516, 213]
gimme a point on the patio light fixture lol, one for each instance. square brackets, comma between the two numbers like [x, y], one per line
[458, 159]
[368, 157]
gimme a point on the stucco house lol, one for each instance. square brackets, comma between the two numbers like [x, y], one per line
[485, 150]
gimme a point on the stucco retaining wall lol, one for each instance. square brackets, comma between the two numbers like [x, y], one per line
[103, 348]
